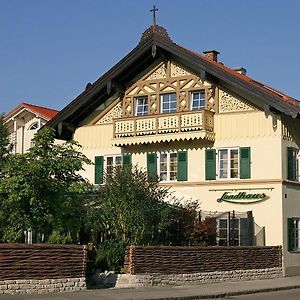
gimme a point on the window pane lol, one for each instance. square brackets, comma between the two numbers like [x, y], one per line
[198, 100]
[118, 161]
[169, 103]
[163, 166]
[141, 106]
[173, 166]
[234, 163]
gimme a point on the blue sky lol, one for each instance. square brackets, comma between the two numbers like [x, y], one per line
[50, 49]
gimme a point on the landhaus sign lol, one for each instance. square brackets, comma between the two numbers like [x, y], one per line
[242, 198]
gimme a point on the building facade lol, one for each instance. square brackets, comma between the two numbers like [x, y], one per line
[208, 132]
[23, 122]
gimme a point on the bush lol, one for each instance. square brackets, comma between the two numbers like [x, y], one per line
[59, 238]
[110, 255]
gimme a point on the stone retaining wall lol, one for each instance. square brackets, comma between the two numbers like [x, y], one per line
[146, 280]
[41, 268]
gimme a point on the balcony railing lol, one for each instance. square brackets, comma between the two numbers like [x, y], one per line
[181, 122]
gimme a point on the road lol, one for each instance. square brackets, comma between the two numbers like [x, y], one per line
[288, 295]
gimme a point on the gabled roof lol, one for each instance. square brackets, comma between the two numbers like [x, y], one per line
[44, 112]
[156, 44]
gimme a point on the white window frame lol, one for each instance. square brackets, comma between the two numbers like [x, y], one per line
[161, 103]
[168, 179]
[192, 99]
[114, 157]
[228, 163]
[144, 113]
[227, 239]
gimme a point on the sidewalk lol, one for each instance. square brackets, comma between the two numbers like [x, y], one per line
[203, 291]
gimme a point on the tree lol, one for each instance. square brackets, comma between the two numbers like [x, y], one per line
[5, 145]
[43, 190]
[128, 207]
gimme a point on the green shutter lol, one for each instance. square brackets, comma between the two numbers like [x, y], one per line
[182, 165]
[99, 169]
[152, 167]
[291, 241]
[291, 165]
[245, 154]
[210, 164]
[127, 160]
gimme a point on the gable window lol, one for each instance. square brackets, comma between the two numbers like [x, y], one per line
[293, 234]
[197, 100]
[168, 103]
[34, 126]
[110, 162]
[228, 163]
[292, 163]
[141, 106]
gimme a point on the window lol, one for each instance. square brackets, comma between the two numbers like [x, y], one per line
[197, 100]
[141, 106]
[111, 162]
[168, 103]
[227, 236]
[167, 166]
[292, 163]
[228, 163]
[293, 234]
[34, 126]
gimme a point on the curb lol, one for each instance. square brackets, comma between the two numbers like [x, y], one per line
[228, 294]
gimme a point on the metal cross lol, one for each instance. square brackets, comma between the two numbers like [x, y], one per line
[154, 17]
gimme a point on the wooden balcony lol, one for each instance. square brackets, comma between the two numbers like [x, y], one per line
[164, 127]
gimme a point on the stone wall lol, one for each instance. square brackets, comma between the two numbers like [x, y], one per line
[150, 265]
[179, 260]
[40, 268]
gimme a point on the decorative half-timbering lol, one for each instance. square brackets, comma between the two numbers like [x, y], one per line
[113, 113]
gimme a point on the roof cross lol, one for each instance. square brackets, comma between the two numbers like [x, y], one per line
[154, 10]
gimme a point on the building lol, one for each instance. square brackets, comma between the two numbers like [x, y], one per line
[24, 121]
[208, 131]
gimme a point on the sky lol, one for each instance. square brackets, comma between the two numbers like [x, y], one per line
[50, 49]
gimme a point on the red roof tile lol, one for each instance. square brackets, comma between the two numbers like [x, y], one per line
[45, 112]
[248, 79]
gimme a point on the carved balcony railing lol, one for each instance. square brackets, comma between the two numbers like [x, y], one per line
[173, 126]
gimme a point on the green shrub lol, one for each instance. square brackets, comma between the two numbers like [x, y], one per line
[59, 238]
[110, 255]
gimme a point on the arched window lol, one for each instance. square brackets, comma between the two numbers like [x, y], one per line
[34, 126]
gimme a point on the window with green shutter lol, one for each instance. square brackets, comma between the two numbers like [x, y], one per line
[152, 167]
[182, 165]
[99, 160]
[210, 164]
[245, 170]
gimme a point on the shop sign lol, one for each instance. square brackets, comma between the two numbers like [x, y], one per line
[242, 198]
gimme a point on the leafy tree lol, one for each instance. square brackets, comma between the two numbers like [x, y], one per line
[5, 145]
[43, 190]
[128, 207]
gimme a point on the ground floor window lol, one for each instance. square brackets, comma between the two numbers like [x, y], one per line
[167, 166]
[293, 234]
[110, 162]
[228, 232]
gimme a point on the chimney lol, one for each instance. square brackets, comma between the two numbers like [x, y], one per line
[212, 54]
[241, 70]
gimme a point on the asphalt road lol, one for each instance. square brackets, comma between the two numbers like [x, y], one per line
[280, 295]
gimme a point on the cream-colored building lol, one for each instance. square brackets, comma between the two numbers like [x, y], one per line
[209, 132]
[23, 122]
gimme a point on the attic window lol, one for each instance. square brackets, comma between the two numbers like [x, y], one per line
[34, 126]
[141, 104]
